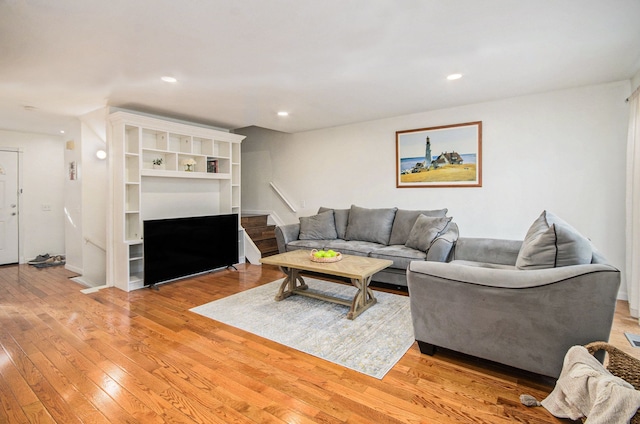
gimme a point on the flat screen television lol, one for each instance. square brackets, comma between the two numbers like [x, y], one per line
[179, 247]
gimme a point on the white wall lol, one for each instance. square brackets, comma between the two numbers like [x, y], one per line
[42, 176]
[85, 200]
[94, 198]
[635, 81]
[73, 198]
[563, 151]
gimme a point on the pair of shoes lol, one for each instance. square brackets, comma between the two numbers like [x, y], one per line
[39, 259]
[54, 259]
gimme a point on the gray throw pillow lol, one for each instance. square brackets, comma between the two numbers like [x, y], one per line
[373, 225]
[341, 216]
[441, 248]
[403, 223]
[318, 227]
[425, 231]
[551, 242]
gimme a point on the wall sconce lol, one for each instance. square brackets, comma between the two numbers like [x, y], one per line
[101, 154]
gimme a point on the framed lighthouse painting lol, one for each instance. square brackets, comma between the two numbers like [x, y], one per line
[444, 156]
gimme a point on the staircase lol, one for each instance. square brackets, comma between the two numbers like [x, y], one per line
[262, 235]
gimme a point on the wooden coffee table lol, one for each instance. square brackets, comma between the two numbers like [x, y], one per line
[357, 268]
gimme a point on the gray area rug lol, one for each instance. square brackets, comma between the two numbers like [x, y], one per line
[370, 344]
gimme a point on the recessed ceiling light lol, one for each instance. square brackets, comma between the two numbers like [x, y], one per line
[454, 77]
[61, 131]
[283, 113]
[169, 79]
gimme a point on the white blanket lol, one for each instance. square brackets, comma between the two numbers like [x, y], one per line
[586, 389]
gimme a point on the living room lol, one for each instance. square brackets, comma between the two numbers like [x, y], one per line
[560, 147]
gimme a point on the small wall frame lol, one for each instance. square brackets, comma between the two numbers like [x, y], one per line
[444, 156]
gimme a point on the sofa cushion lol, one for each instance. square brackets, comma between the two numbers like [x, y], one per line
[495, 251]
[341, 217]
[425, 230]
[354, 247]
[318, 227]
[372, 225]
[404, 220]
[306, 244]
[400, 255]
[551, 242]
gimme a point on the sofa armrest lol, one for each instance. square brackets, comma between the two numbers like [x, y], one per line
[285, 234]
[505, 278]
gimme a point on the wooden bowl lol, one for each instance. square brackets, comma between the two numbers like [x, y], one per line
[336, 258]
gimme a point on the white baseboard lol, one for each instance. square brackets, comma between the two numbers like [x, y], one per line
[89, 289]
[73, 268]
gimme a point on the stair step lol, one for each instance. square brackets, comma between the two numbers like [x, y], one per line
[267, 244]
[248, 221]
[270, 253]
[261, 233]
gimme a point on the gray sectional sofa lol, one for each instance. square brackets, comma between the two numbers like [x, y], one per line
[395, 234]
[522, 303]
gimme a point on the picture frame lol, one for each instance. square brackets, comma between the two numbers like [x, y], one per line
[73, 171]
[455, 156]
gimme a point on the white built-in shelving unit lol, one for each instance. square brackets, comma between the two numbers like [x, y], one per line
[135, 142]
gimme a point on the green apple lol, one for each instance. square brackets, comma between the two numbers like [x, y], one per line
[331, 253]
[320, 254]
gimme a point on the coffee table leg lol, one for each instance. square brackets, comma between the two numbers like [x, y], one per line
[363, 299]
[292, 282]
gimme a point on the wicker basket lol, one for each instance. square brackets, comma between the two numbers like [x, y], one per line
[336, 258]
[621, 365]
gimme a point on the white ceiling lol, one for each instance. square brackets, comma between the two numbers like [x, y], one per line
[327, 62]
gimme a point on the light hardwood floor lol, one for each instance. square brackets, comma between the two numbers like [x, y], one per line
[142, 357]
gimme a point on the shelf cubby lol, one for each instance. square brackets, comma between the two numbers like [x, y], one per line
[132, 199]
[222, 149]
[202, 146]
[179, 143]
[131, 139]
[235, 154]
[132, 168]
[235, 173]
[133, 230]
[154, 139]
[135, 251]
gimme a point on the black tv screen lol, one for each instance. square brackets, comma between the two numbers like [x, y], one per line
[179, 247]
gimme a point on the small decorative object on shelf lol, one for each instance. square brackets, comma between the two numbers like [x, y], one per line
[325, 256]
[189, 164]
[212, 165]
[157, 162]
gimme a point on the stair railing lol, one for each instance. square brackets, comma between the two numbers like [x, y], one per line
[282, 197]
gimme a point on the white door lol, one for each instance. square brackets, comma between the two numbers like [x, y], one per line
[8, 207]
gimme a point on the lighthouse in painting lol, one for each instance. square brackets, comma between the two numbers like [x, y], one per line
[427, 155]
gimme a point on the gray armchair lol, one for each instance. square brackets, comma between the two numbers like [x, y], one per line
[482, 305]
